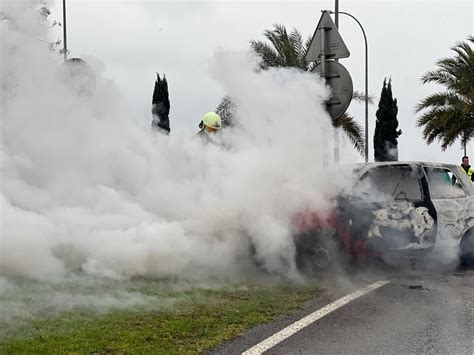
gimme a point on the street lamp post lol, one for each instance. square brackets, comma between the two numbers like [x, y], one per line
[366, 85]
[64, 31]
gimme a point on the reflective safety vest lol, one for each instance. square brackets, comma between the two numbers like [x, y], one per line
[469, 171]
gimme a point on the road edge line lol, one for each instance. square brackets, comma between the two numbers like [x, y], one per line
[295, 327]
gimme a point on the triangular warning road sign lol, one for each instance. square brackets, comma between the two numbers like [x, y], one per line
[335, 46]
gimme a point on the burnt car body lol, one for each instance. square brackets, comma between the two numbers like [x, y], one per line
[396, 211]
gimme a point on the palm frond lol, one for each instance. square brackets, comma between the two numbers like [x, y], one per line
[439, 77]
[296, 41]
[274, 37]
[352, 130]
[269, 57]
[226, 109]
[463, 50]
[360, 97]
[438, 100]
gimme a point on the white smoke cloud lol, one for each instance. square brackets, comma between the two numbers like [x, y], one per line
[87, 190]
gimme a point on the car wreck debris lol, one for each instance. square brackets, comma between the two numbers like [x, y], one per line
[403, 217]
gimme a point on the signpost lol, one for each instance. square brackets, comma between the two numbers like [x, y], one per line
[330, 44]
[326, 47]
[340, 82]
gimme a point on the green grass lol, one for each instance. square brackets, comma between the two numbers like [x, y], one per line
[199, 320]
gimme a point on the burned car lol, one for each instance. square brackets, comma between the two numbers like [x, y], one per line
[395, 211]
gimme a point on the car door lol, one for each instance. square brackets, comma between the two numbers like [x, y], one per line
[390, 209]
[450, 194]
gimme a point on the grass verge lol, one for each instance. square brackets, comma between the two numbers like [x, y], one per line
[202, 319]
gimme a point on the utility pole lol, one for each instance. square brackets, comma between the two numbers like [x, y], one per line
[64, 31]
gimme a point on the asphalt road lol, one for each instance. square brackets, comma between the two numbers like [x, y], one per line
[417, 312]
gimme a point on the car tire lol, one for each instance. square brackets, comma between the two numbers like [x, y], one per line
[466, 248]
[318, 253]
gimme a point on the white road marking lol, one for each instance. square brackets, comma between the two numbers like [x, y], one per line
[285, 333]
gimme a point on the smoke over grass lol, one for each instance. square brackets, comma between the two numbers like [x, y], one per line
[86, 191]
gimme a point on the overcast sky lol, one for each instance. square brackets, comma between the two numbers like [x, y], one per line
[134, 39]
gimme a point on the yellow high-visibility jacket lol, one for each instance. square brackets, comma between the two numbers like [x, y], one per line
[469, 171]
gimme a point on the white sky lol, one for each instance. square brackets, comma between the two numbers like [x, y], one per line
[134, 39]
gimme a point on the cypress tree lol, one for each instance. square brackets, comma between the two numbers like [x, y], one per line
[386, 133]
[160, 108]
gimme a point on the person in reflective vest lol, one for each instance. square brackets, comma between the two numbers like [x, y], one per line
[467, 168]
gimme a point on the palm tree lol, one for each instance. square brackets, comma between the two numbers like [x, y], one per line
[283, 49]
[449, 115]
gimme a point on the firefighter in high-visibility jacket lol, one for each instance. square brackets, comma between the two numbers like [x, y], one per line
[467, 168]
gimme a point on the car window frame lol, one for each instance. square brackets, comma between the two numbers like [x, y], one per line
[455, 173]
[461, 175]
[415, 167]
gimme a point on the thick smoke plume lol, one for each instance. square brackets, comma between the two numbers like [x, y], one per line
[85, 190]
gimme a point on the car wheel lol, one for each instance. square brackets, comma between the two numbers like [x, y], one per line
[318, 253]
[466, 248]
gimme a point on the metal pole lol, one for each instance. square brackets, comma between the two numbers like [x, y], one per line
[64, 31]
[336, 133]
[366, 100]
[366, 86]
[322, 58]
